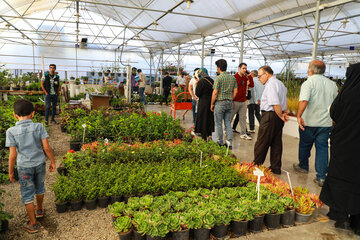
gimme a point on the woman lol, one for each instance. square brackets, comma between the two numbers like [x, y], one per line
[341, 191]
[205, 117]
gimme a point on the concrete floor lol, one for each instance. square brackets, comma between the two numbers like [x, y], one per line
[319, 227]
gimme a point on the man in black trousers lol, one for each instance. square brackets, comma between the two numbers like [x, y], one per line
[273, 107]
[167, 80]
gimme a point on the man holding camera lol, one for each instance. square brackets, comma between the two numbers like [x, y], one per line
[244, 81]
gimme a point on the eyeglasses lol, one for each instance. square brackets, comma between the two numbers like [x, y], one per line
[259, 76]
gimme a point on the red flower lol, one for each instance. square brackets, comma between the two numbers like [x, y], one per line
[166, 133]
[71, 151]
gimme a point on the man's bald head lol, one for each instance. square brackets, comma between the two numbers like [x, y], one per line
[316, 67]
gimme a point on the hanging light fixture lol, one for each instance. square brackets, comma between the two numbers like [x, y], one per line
[189, 2]
[137, 37]
[324, 40]
[344, 22]
[155, 24]
[8, 26]
[277, 36]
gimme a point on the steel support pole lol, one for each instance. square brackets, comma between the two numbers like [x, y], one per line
[33, 57]
[150, 68]
[161, 72]
[202, 51]
[288, 71]
[316, 31]
[178, 61]
[242, 43]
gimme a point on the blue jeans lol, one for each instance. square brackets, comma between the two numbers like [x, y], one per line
[142, 95]
[194, 110]
[319, 136]
[32, 181]
[50, 100]
[222, 112]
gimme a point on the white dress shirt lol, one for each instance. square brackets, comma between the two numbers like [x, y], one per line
[192, 83]
[274, 94]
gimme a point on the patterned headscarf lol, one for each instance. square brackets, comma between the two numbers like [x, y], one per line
[201, 73]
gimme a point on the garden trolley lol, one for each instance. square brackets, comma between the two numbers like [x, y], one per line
[178, 102]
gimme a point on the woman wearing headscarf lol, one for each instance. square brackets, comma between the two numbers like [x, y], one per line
[341, 191]
[205, 117]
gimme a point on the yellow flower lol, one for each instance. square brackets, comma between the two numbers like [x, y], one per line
[133, 152]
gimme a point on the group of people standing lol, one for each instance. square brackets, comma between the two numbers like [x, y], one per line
[321, 111]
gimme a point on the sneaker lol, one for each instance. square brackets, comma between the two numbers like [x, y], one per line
[39, 213]
[32, 228]
[345, 225]
[251, 131]
[319, 182]
[234, 131]
[297, 168]
[53, 121]
[46, 123]
[245, 136]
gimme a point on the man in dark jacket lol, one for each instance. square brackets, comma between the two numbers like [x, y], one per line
[50, 84]
[167, 80]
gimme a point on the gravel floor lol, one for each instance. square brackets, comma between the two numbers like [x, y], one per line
[84, 224]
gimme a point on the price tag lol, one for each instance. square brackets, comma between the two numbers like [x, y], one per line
[228, 146]
[84, 125]
[257, 172]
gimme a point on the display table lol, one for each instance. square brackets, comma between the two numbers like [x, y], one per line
[99, 101]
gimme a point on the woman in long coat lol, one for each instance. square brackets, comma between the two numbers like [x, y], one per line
[341, 190]
[204, 117]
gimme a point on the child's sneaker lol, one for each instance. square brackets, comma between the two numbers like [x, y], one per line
[32, 228]
[39, 213]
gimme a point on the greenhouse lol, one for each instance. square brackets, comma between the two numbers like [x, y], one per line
[183, 119]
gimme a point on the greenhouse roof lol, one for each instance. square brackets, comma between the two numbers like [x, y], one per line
[273, 29]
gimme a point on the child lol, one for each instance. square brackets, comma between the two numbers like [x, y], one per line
[27, 142]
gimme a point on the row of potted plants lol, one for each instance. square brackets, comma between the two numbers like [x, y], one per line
[122, 126]
[307, 202]
[122, 180]
[203, 210]
[149, 152]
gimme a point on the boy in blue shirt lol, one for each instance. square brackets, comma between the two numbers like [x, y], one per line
[27, 142]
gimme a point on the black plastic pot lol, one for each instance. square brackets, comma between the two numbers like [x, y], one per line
[22, 88]
[4, 226]
[103, 202]
[61, 207]
[5, 88]
[16, 88]
[138, 236]
[76, 146]
[219, 231]
[202, 234]
[181, 235]
[256, 225]
[90, 204]
[239, 228]
[287, 219]
[126, 236]
[115, 199]
[126, 199]
[272, 221]
[302, 218]
[110, 92]
[76, 205]
[148, 237]
[63, 129]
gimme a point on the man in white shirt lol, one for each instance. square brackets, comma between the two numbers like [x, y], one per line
[273, 107]
[316, 95]
[192, 88]
[181, 81]
[142, 85]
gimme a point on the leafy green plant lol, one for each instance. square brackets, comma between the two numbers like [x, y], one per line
[122, 224]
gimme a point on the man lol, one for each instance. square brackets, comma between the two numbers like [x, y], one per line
[194, 99]
[225, 90]
[244, 81]
[142, 85]
[181, 80]
[106, 77]
[50, 84]
[316, 95]
[254, 101]
[167, 80]
[274, 113]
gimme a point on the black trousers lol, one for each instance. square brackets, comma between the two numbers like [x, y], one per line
[269, 135]
[253, 109]
[166, 95]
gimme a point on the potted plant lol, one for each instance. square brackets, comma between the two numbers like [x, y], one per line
[100, 74]
[140, 225]
[75, 141]
[274, 209]
[77, 81]
[304, 209]
[222, 221]
[240, 217]
[61, 190]
[90, 197]
[76, 196]
[202, 231]
[158, 228]
[288, 217]
[123, 227]
[178, 225]
[103, 199]
[256, 225]
[16, 82]
[116, 210]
